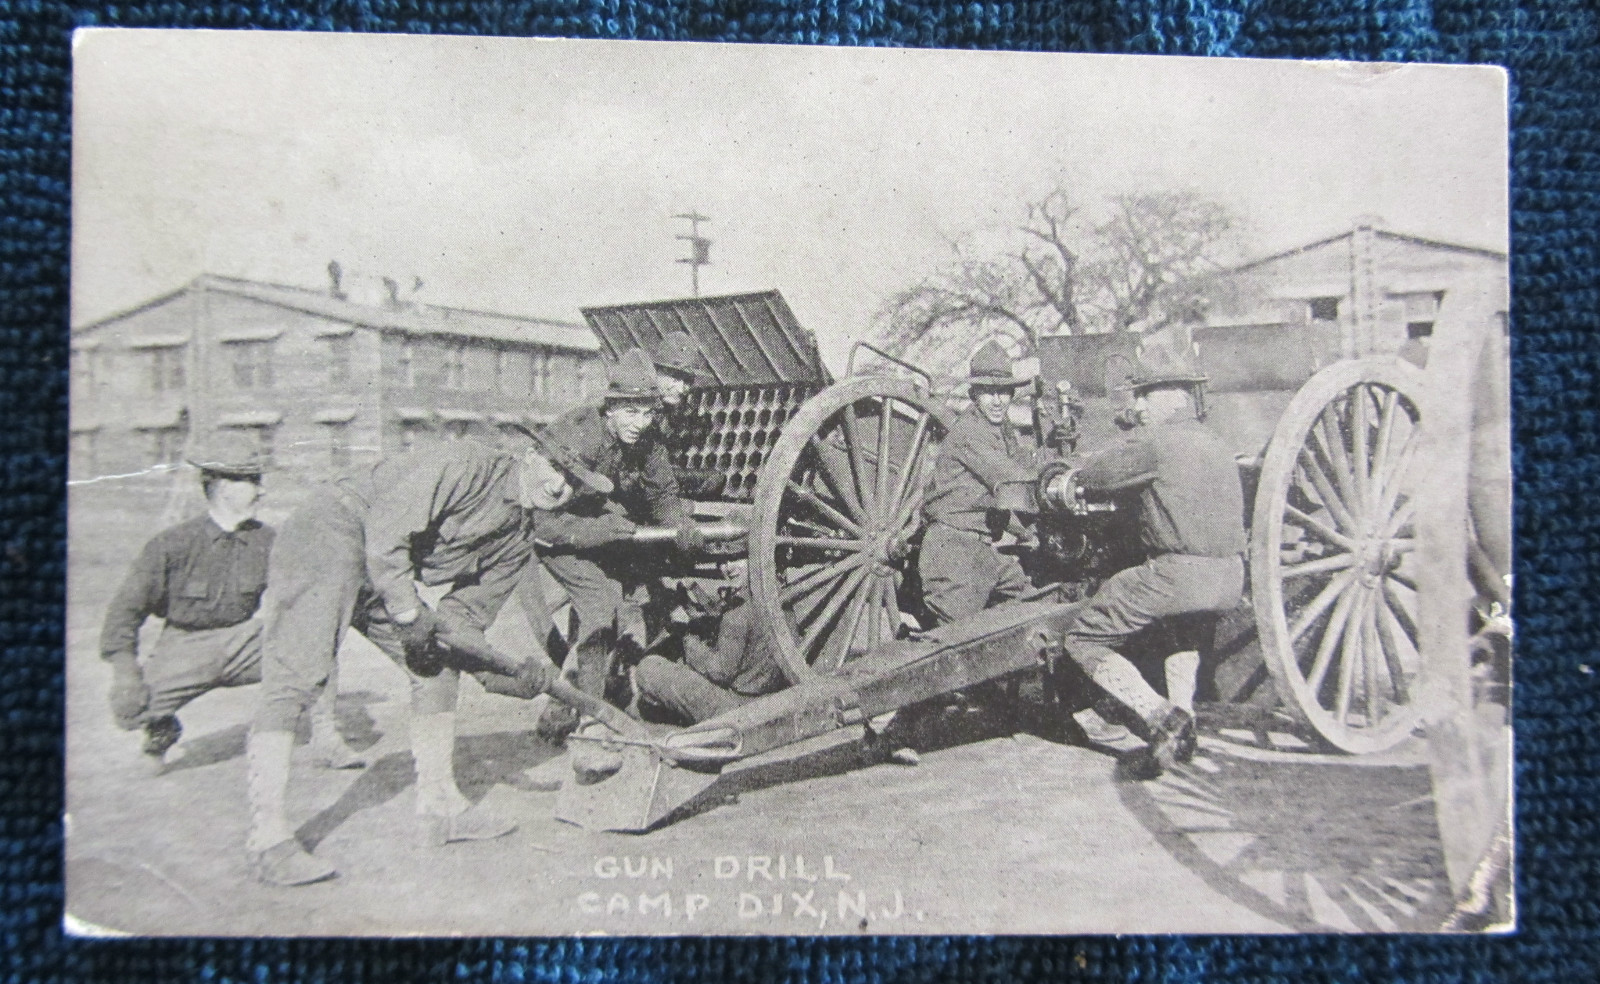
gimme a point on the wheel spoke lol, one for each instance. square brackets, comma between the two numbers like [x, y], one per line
[1369, 661]
[858, 464]
[825, 617]
[875, 613]
[912, 465]
[1358, 442]
[880, 493]
[1314, 525]
[1330, 437]
[891, 611]
[1387, 416]
[1402, 614]
[1387, 491]
[821, 543]
[1319, 604]
[1400, 578]
[1313, 472]
[1349, 656]
[832, 475]
[845, 523]
[823, 572]
[1387, 627]
[1337, 562]
[834, 656]
[1330, 641]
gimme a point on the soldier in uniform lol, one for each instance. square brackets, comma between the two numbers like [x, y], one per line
[460, 516]
[606, 583]
[962, 571]
[1191, 517]
[712, 678]
[205, 577]
[679, 367]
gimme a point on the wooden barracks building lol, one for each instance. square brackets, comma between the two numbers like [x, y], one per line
[318, 378]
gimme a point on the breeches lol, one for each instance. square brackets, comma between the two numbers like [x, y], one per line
[682, 692]
[962, 573]
[1165, 587]
[318, 588]
[185, 663]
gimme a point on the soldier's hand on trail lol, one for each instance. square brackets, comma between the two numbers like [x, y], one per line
[689, 539]
[531, 679]
[602, 530]
[130, 696]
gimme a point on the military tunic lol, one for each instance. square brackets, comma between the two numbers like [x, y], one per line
[1191, 514]
[206, 582]
[446, 516]
[606, 584]
[712, 679]
[962, 572]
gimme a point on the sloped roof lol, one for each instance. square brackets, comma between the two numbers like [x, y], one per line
[1379, 233]
[415, 319]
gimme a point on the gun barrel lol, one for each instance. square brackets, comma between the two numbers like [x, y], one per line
[713, 532]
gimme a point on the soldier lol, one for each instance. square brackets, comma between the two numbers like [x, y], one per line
[1191, 516]
[461, 516]
[962, 571]
[205, 577]
[737, 668]
[679, 363]
[605, 582]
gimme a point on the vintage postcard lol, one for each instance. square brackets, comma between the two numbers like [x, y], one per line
[539, 487]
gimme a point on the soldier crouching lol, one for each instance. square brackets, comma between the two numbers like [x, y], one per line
[205, 577]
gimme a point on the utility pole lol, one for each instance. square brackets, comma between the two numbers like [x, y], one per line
[699, 247]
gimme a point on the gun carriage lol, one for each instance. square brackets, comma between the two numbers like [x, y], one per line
[828, 478]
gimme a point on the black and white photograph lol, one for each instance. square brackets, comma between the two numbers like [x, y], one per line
[532, 487]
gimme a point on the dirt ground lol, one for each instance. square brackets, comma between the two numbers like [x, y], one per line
[993, 832]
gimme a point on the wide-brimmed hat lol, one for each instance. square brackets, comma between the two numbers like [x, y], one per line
[228, 454]
[1168, 357]
[680, 354]
[563, 457]
[631, 377]
[991, 366]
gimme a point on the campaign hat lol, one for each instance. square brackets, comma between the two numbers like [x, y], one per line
[1168, 357]
[680, 354]
[991, 366]
[632, 377]
[547, 443]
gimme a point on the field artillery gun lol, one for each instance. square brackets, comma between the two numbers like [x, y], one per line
[1362, 630]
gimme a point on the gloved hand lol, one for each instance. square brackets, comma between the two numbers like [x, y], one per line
[604, 529]
[416, 636]
[689, 539]
[531, 679]
[130, 696]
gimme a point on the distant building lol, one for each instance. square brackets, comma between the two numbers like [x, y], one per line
[318, 378]
[1365, 291]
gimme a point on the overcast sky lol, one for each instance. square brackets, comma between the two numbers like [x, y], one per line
[537, 177]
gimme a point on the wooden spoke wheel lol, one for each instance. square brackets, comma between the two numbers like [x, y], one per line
[836, 513]
[1331, 557]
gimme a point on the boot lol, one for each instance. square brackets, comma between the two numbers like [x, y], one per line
[161, 734]
[286, 864]
[1172, 739]
[476, 823]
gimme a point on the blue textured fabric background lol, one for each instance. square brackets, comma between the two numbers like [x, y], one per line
[1553, 52]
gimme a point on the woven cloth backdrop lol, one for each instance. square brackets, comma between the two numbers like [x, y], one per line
[1553, 51]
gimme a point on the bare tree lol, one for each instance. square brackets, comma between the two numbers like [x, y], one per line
[1153, 257]
[1146, 263]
